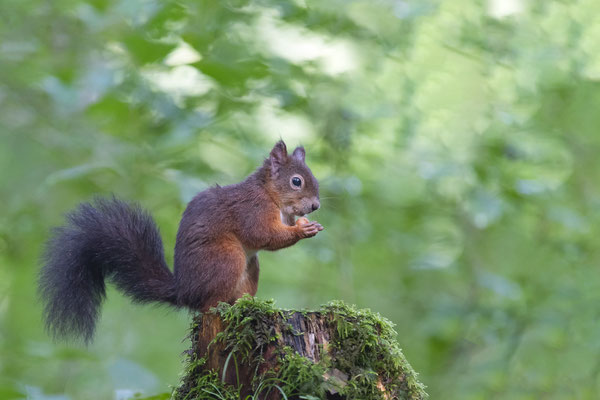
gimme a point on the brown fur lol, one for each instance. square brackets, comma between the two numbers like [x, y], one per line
[223, 228]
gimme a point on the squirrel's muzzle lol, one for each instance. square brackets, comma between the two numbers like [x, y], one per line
[316, 205]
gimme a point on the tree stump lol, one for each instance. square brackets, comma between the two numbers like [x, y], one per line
[252, 350]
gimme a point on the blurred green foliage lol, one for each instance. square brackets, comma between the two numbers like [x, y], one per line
[456, 143]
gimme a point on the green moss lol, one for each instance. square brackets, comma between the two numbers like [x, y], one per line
[366, 347]
[249, 326]
[209, 387]
[362, 357]
[299, 376]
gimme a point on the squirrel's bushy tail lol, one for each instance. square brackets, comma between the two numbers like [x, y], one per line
[106, 239]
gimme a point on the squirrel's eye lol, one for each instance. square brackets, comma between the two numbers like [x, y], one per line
[296, 181]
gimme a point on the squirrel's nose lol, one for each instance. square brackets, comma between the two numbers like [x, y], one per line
[315, 205]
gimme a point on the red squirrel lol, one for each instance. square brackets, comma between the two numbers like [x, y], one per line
[220, 234]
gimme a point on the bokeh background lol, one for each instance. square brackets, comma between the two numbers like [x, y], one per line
[457, 144]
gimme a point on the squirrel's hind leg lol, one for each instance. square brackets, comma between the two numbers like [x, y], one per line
[249, 282]
[220, 272]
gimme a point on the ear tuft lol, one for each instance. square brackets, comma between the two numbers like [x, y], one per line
[278, 157]
[299, 153]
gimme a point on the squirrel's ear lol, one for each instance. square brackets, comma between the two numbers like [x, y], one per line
[299, 153]
[278, 156]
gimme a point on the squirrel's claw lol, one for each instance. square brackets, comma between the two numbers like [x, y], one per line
[310, 229]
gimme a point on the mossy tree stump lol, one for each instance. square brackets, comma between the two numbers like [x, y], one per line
[252, 350]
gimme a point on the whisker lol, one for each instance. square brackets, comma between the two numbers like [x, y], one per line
[329, 206]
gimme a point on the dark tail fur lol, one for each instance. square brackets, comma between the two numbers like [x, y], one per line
[105, 239]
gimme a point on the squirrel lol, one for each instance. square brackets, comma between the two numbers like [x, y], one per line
[216, 260]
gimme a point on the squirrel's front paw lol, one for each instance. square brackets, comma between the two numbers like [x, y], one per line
[308, 229]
